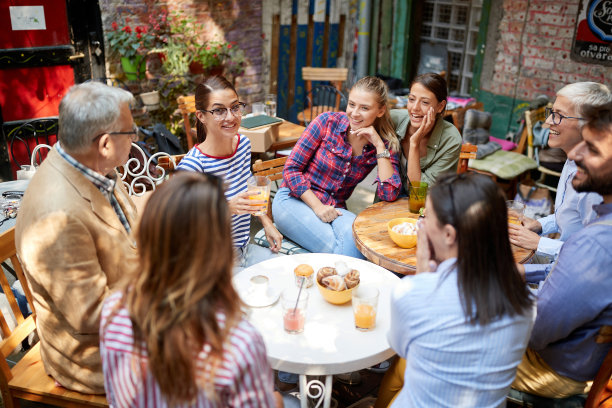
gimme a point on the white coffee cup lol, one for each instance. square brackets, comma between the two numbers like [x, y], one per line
[259, 286]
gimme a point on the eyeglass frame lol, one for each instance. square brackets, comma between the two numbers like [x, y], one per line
[134, 133]
[550, 112]
[242, 106]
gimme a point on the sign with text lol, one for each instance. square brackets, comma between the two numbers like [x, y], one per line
[593, 35]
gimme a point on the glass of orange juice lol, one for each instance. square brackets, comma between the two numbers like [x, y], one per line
[365, 305]
[516, 211]
[258, 188]
[417, 195]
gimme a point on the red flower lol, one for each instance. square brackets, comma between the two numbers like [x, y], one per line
[139, 36]
[127, 29]
[215, 55]
[114, 25]
[127, 20]
[138, 29]
[208, 47]
[229, 45]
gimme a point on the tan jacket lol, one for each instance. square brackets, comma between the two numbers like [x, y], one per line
[74, 250]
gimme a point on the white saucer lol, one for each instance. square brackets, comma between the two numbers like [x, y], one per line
[251, 300]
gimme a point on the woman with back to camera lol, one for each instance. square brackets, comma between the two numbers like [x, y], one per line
[223, 152]
[336, 152]
[176, 335]
[429, 144]
[461, 325]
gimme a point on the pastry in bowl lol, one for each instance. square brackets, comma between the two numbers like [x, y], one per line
[403, 232]
[334, 288]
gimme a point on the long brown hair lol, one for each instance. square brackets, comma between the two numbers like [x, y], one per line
[489, 283]
[186, 257]
[202, 99]
[383, 125]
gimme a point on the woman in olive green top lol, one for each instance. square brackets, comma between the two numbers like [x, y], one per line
[429, 144]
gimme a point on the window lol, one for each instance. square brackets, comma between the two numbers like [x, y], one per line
[454, 23]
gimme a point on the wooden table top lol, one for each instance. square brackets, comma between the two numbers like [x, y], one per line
[374, 242]
[288, 135]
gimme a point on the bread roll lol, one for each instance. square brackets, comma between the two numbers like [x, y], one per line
[325, 272]
[304, 270]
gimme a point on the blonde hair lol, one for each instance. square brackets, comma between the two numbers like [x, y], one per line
[383, 125]
[186, 257]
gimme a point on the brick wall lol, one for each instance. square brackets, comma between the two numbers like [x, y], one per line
[533, 50]
[237, 20]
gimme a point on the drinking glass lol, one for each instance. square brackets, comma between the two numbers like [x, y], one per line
[516, 211]
[294, 309]
[417, 195]
[271, 104]
[259, 108]
[258, 188]
[365, 305]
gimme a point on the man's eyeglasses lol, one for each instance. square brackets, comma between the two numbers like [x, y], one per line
[221, 113]
[557, 117]
[133, 134]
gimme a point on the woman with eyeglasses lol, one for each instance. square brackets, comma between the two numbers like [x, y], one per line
[223, 152]
[336, 152]
[176, 336]
[430, 145]
[462, 323]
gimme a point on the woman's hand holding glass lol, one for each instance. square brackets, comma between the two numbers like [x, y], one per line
[241, 204]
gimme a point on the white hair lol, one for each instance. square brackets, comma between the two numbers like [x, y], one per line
[583, 94]
[87, 110]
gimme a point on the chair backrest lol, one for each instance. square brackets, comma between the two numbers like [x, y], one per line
[23, 137]
[169, 163]
[598, 390]
[458, 115]
[531, 117]
[187, 107]
[468, 151]
[334, 75]
[322, 98]
[14, 327]
[271, 168]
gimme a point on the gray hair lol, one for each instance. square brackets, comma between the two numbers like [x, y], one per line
[583, 94]
[87, 110]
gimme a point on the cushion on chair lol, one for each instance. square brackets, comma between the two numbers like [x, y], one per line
[288, 247]
[505, 144]
[503, 164]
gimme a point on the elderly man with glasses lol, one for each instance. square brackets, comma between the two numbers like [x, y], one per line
[73, 232]
[573, 302]
[573, 210]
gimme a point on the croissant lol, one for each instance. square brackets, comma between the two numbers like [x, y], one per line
[334, 282]
[325, 272]
[352, 279]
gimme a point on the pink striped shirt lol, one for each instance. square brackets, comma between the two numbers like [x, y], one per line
[243, 379]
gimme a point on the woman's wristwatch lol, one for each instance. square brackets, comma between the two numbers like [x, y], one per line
[384, 154]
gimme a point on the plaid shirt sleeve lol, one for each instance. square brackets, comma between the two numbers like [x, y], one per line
[301, 154]
[389, 189]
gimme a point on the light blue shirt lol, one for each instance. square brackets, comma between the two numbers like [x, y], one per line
[450, 362]
[573, 211]
[574, 302]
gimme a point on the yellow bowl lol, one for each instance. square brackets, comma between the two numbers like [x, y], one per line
[404, 241]
[334, 296]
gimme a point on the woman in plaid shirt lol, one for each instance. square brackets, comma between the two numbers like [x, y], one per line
[336, 152]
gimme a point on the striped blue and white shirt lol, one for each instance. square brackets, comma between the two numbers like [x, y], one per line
[449, 362]
[242, 379]
[235, 170]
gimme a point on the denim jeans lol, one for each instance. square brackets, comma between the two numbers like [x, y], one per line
[296, 220]
[249, 255]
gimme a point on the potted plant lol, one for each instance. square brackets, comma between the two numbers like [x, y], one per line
[218, 57]
[130, 45]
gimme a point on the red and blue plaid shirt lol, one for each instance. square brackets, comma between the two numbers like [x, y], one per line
[322, 161]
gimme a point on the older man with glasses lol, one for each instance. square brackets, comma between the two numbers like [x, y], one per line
[73, 231]
[573, 302]
[573, 210]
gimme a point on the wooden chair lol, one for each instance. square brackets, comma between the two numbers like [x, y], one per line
[27, 380]
[169, 163]
[273, 169]
[332, 99]
[468, 151]
[531, 118]
[187, 107]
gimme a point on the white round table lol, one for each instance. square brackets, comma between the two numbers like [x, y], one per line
[330, 344]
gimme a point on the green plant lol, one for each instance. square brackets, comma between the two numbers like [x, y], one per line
[217, 53]
[129, 42]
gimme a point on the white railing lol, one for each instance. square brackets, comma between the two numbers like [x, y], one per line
[136, 173]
